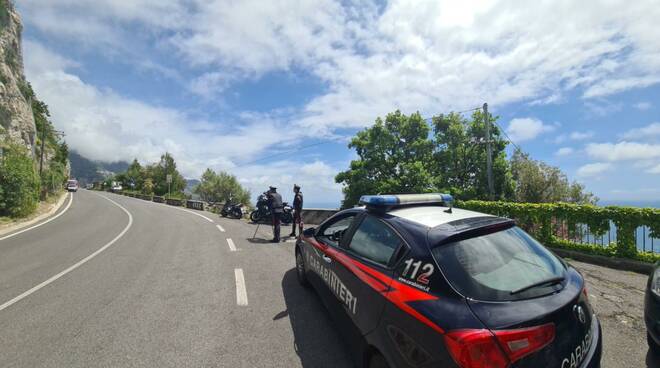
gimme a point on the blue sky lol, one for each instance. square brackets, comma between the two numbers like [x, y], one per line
[221, 84]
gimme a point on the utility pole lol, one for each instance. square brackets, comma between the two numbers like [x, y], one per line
[489, 154]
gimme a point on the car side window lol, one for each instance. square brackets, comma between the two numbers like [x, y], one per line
[375, 241]
[332, 232]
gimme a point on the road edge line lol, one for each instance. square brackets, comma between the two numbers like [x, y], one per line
[44, 222]
[74, 266]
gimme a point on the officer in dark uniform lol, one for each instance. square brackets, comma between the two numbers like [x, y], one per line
[276, 209]
[297, 209]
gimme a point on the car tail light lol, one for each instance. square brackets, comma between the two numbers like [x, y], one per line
[499, 348]
[522, 342]
[475, 349]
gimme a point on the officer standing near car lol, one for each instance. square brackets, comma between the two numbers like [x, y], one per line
[297, 209]
[276, 209]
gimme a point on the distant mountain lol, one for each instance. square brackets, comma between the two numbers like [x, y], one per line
[88, 171]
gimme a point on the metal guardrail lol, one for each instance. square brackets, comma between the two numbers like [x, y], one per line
[174, 202]
[158, 199]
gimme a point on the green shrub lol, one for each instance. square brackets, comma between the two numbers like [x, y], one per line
[538, 218]
[19, 182]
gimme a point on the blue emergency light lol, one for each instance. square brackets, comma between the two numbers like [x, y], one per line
[393, 200]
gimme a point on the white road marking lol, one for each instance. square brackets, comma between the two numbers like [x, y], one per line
[42, 223]
[232, 247]
[176, 208]
[241, 292]
[220, 228]
[78, 264]
[194, 213]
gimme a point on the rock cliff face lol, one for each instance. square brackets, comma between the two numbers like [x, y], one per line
[16, 118]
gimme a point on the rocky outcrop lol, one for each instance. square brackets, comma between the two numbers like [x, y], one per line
[16, 118]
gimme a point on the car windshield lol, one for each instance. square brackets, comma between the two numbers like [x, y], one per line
[71, 182]
[494, 266]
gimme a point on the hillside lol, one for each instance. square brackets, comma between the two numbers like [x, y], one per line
[88, 171]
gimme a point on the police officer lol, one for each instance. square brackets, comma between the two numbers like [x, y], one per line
[276, 209]
[297, 209]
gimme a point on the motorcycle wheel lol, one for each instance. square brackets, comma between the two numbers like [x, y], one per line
[287, 218]
[238, 213]
[223, 214]
[254, 216]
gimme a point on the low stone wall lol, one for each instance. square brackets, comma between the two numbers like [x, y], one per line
[174, 202]
[197, 205]
[315, 216]
[158, 199]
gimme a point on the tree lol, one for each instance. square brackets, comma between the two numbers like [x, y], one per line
[159, 172]
[221, 187]
[393, 157]
[538, 182]
[459, 159]
[19, 192]
[135, 175]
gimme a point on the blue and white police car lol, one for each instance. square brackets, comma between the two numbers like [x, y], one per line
[413, 282]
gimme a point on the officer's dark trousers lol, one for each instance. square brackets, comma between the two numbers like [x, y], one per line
[276, 226]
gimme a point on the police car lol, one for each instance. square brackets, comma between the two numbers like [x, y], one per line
[413, 282]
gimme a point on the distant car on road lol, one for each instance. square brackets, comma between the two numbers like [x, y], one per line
[116, 188]
[414, 283]
[652, 310]
[72, 185]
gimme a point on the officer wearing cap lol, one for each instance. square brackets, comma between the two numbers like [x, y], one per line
[276, 209]
[297, 209]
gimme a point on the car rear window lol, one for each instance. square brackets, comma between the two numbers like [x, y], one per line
[489, 267]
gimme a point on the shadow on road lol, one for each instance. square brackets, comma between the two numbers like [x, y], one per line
[317, 343]
[652, 360]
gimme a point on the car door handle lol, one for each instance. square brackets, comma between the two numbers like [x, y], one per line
[327, 259]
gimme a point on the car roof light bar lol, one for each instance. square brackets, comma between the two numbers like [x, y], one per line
[396, 200]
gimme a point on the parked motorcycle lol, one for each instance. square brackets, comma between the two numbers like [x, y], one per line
[233, 210]
[262, 212]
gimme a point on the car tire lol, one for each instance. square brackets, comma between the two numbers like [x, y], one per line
[378, 361]
[300, 269]
[653, 346]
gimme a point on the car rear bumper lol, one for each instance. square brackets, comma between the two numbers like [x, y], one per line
[593, 359]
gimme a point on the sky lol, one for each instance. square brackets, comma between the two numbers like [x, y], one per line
[241, 86]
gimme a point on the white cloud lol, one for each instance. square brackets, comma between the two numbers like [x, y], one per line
[593, 170]
[525, 129]
[431, 56]
[654, 170]
[564, 151]
[642, 106]
[648, 132]
[579, 136]
[103, 125]
[623, 151]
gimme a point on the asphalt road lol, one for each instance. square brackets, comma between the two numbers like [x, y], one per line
[120, 282]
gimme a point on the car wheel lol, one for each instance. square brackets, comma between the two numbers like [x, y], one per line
[653, 346]
[300, 269]
[378, 361]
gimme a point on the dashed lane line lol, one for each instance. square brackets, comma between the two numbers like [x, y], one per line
[241, 292]
[41, 223]
[220, 228]
[78, 264]
[232, 247]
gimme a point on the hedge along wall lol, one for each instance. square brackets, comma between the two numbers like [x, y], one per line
[544, 220]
